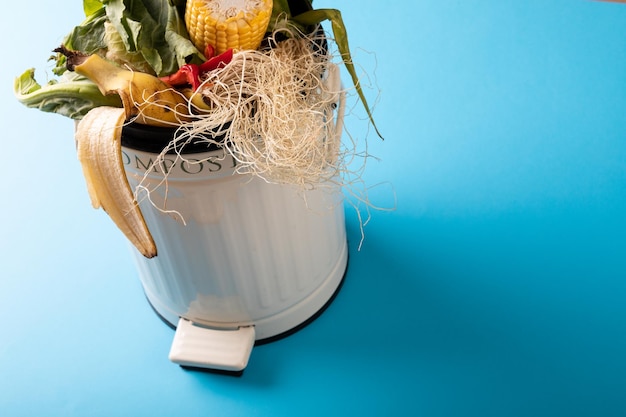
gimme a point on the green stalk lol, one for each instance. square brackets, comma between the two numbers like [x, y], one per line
[314, 17]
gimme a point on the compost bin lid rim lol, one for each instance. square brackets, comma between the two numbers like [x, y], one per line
[154, 139]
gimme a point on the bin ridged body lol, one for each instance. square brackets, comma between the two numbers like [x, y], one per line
[247, 253]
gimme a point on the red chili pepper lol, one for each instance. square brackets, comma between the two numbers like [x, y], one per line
[217, 61]
[186, 74]
[191, 73]
[177, 78]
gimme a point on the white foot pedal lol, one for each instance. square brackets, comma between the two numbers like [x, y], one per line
[201, 347]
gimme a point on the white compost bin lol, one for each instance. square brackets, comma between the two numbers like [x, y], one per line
[240, 260]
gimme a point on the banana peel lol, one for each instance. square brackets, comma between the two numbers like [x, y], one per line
[98, 143]
[146, 98]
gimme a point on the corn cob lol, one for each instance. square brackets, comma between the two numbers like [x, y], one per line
[225, 24]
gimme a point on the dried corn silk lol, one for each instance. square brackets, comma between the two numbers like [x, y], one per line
[281, 108]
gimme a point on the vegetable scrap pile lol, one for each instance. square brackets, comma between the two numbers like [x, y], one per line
[256, 73]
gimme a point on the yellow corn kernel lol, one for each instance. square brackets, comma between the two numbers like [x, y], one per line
[225, 24]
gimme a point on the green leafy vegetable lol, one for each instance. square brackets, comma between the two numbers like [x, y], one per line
[72, 96]
[151, 29]
[91, 6]
[147, 35]
[150, 36]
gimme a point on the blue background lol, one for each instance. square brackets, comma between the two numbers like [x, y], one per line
[497, 286]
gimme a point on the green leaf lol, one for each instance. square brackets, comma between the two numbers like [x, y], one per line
[88, 37]
[176, 35]
[340, 34]
[280, 15]
[281, 6]
[284, 10]
[72, 96]
[91, 6]
[153, 28]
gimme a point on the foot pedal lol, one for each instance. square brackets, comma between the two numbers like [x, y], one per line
[202, 347]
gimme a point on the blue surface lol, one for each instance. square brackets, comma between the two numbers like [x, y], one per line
[496, 288]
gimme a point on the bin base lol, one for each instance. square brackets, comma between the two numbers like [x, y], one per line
[331, 282]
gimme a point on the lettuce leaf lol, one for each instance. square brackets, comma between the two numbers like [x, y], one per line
[155, 29]
[72, 95]
[150, 36]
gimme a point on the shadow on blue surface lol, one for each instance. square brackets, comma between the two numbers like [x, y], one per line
[486, 332]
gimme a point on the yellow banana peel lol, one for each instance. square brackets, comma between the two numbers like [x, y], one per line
[98, 142]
